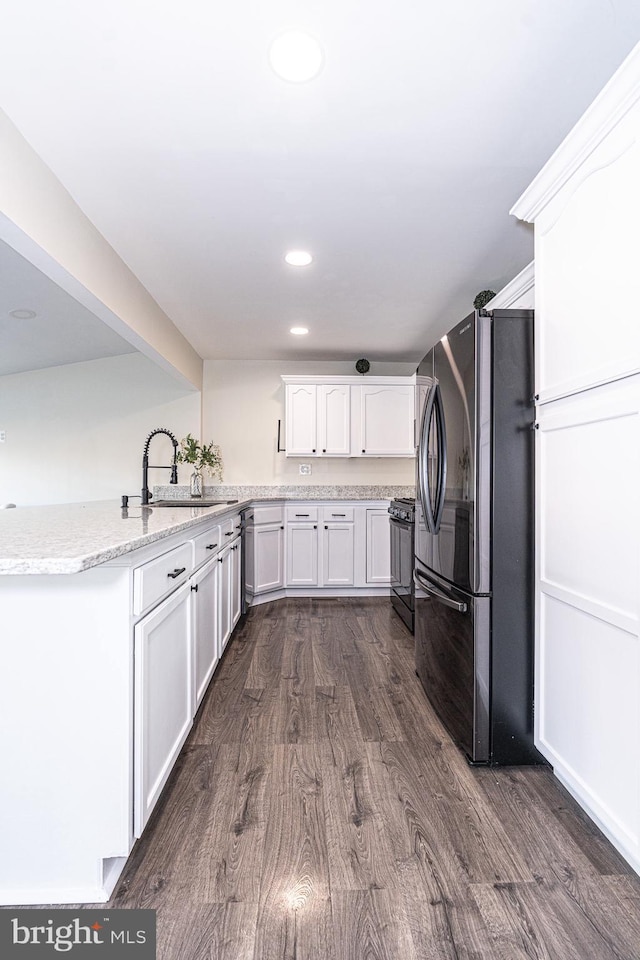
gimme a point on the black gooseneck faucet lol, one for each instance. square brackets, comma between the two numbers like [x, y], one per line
[146, 496]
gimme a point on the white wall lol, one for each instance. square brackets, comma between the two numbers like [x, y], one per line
[242, 403]
[77, 432]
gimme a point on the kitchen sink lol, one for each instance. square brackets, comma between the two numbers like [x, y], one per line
[196, 502]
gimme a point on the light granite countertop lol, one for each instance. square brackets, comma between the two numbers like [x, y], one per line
[300, 491]
[72, 537]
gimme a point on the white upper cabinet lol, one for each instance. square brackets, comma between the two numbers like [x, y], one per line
[344, 417]
[334, 419]
[386, 419]
[301, 419]
[585, 204]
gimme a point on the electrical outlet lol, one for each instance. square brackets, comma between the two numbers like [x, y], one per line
[3, 436]
[305, 469]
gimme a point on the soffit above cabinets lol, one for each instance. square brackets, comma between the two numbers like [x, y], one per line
[62, 330]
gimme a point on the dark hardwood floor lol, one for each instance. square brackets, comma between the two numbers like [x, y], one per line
[319, 811]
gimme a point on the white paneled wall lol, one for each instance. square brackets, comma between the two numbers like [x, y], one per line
[586, 207]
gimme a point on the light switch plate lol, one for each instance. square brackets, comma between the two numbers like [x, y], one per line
[305, 469]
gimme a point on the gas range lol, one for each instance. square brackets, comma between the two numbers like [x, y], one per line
[402, 522]
[403, 509]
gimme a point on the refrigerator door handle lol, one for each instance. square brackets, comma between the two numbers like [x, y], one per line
[423, 462]
[433, 509]
[440, 597]
[442, 458]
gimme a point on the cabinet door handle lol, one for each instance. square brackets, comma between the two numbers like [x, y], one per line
[364, 451]
[325, 450]
[315, 526]
[302, 514]
[313, 451]
[176, 572]
[239, 527]
[282, 528]
[229, 534]
[338, 514]
[211, 546]
[220, 559]
[195, 588]
[326, 527]
[235, 546]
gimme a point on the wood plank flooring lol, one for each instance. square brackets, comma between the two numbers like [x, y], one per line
[319, 811]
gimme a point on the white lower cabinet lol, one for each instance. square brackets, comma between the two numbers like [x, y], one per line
[378, 547]
[205, 626]
[228, 591]
[268, 553]
[177, 647]
[264, 546]
[336, 546]
[163, 697]
[338, 554]
[235, 583]
[302, 554]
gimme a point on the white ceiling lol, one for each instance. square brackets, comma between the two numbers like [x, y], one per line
[396, 167]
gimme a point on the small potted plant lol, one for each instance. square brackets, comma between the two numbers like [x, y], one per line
[203, 457]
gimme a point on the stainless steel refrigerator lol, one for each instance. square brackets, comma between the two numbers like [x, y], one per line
[474, 535]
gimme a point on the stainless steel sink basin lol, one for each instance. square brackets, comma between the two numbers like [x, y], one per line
[196, 502]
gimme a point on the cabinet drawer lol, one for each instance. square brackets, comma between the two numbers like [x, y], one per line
[302, 513]
[230, 528]
[207, 544]
[157, 578]
[337, 512]
[271, 514]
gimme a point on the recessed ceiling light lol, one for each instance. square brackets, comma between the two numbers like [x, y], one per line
[296, 56]
[298, 258]
[23, 314]
[299, 331]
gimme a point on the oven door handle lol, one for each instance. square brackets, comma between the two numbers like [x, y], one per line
[440, 597]
[401, 523]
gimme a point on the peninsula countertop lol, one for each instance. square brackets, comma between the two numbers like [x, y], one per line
[71, 537]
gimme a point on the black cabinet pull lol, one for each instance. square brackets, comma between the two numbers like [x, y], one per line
[235, 546]
[302, 514]
[239, 527]
[338, 514]
[176, 572]
[282, 528]
[230, 534]
[326, 527]
[364, 451]
[211, 546]
[313, 451]
[315, 526]
[220, 559]
[324, 451]
[195, 588]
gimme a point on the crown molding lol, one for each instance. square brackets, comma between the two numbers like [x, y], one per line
[514, 290]
[612, 104]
